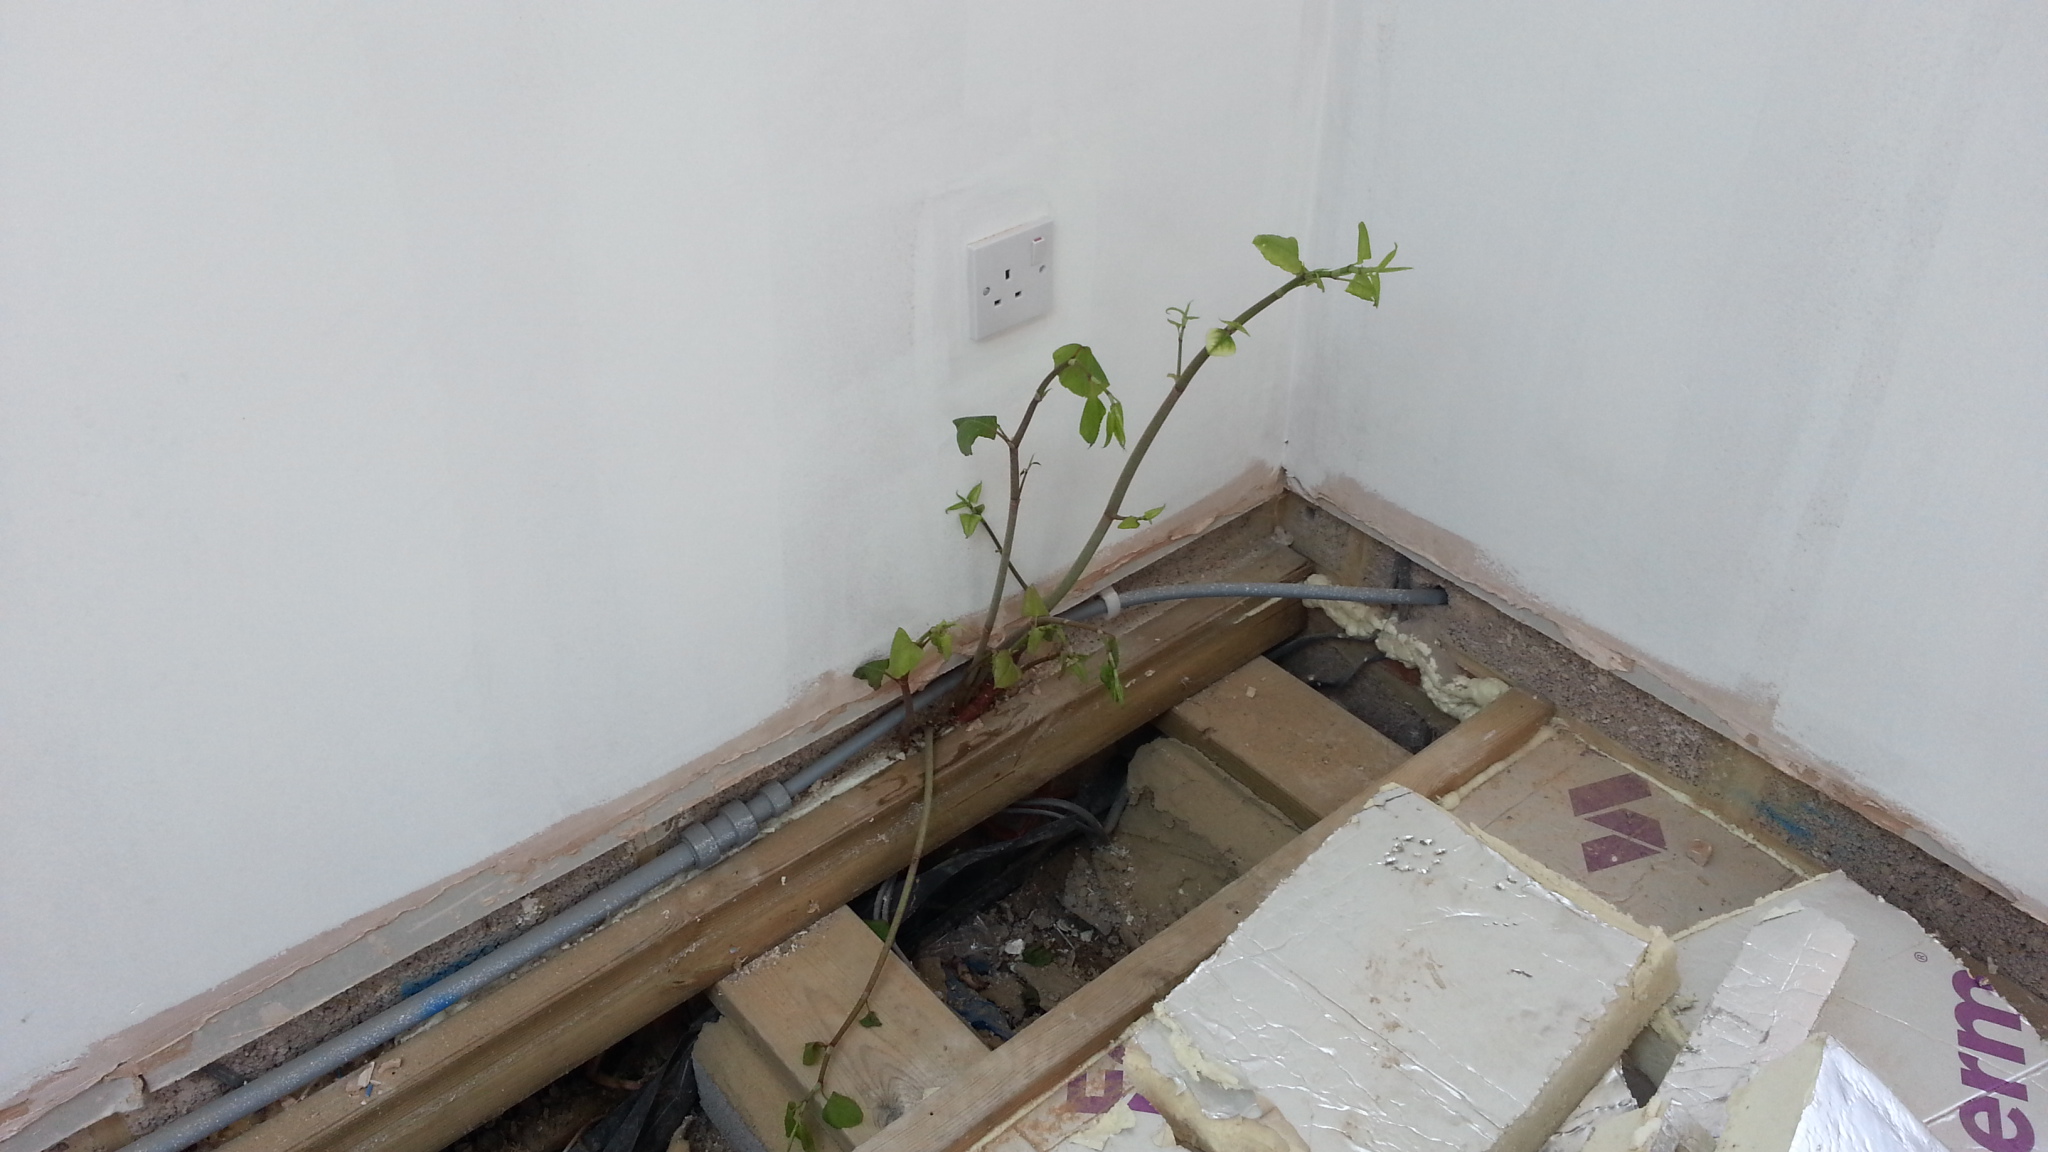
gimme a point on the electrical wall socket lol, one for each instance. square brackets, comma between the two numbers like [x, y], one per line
[1009, 278]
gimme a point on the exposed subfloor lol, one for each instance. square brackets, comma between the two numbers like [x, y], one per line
[1019, 932]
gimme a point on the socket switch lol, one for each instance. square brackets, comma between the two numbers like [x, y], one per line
[1009, 278]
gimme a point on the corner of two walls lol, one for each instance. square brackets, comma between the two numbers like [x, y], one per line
[1720, 363]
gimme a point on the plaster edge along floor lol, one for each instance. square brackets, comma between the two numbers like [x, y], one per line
[1979, 924]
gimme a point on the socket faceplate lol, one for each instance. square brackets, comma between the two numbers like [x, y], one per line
[1009, 278]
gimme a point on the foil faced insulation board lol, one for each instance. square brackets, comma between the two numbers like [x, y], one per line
[1963, 1061]
[1411, 988]
[1819, 1099]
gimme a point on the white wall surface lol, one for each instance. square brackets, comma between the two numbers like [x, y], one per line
[422, 423]
[1728, 338]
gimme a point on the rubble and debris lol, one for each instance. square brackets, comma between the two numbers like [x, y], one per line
[1412, 985]
[1187, 830]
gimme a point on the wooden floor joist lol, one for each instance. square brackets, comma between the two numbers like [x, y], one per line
[1294, 747]
[1051, 1047]
[801, 990]
[520, 1035]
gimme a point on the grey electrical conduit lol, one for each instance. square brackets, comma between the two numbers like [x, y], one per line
[703, 845]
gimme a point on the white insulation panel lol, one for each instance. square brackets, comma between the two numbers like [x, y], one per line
[1408, 989]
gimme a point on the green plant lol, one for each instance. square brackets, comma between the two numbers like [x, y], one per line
[1000, 657]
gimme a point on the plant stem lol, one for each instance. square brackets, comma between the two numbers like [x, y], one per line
[924, 825]
[1144, 444]
[1015, 442]
[998, 542]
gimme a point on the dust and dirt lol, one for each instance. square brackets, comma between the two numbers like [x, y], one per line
[1004, 966]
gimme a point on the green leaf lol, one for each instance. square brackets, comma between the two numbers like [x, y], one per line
[969, 503]
[1116, 422]
[1366, 286]
[793, 1126]
[1382, 266]
[1037, 955]
[870, 1021]
[1283, 252]
[1153, 514]
[814, 1052]
[841, 1112]
[1364, 243]
[1091, 419]
[874, 672]
[1219, 343]
[905, 655]
[1080, 373]
[969, 523]
[1113, 682]
[1044, 634]
[972, 428]
[879, 927]
[1111, 672]
[1128, 522]
[1034, 604]
[1004, 666]
[1094, 368]
[941, 636]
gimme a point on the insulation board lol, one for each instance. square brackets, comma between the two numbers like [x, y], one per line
[1818, 1098]
[1412, 987]
[1963, 1061]
[1618, 831]
[1609, 1098]
[1764, 1008]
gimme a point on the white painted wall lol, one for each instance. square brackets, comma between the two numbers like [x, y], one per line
[1728, 339]
[422, 423]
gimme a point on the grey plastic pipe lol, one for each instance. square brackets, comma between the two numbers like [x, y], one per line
[1111, 602]
[702, 845]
